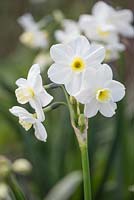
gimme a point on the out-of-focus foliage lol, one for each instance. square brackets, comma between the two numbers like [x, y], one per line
[111, 141]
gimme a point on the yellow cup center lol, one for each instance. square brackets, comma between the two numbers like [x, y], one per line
[27, 38]
[25, 125]
[24, 94]
[103, 95]
[102, 33]
[78, 64]
[108, 55]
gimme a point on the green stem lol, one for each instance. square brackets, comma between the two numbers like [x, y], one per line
[86, 172]
[16, 189]
[54, 106]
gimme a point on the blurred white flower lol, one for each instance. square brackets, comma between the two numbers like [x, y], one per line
[27, 120]
[72, 61]
[31, 90]
[27, 22]
[4, 192]
[121, 20]
[97, 30]
[70, 31]
[32, 36]
[22, 166]
[44, 60]
[34, 39]
[100, 93]
[113, 50]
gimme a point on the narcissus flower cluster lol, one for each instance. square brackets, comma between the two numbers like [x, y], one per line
[78, 65]
[103, 26]
[31, 91]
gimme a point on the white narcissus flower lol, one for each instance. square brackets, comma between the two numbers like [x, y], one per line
[31, 90]
[70, 31]
[100, 93]
[72, 61]
[27, 120]
[32, 36]
[120, 19]
[97, 30]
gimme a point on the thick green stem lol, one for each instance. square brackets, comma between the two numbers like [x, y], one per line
[86, 171]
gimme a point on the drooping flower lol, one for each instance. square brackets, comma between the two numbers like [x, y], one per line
[32, 36]
[121, 20]
[96, 30]
[100, 93]
[27, 120]
[72, 61]
[31, 90]
[70, 31]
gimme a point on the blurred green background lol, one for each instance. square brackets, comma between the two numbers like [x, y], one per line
[111, 141]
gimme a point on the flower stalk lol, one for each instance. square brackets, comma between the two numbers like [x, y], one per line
[86, 171]
[16, 189]
[83, 144]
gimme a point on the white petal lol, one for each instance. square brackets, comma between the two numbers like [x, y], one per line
[90, 78]
[84, 96]
[101, 10]
[84, 20]
[59, 73]
[21, 94]
[117, 89]
[104, 74]
[96, 54]
[36, 104]
[40, 131]
[61, 53]
[45, 98]
[21, 82]
[74, 85]
[33, 72]
[22, 113]
[108, 109]
[36, 83]
[126, 30]
[91, 109]
[124, 15]
[80, 46]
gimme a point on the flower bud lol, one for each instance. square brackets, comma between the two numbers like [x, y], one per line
[4, 192]
[58, 16]
[5, 167]
[22, 166]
